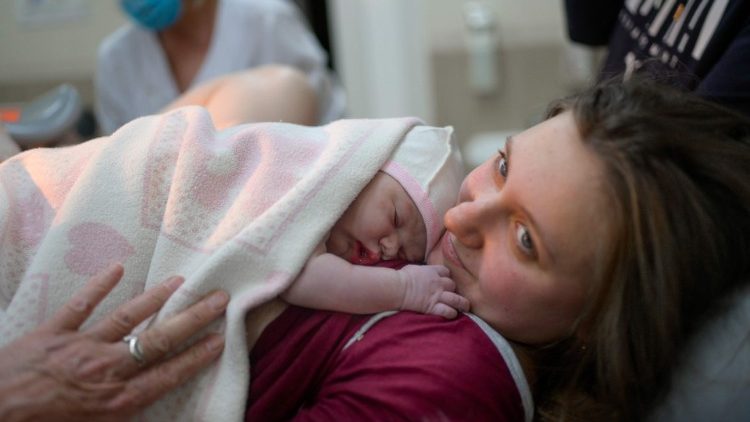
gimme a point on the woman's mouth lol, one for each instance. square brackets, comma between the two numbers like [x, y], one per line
[449, 250]
[363, 256]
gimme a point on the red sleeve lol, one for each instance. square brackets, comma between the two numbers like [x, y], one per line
[408, 366]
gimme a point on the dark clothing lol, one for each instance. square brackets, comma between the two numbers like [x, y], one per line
[405, 367]
[698, 45]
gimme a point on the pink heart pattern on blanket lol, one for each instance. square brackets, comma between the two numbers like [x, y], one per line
[239, 209]
[94, 246]
[218, 185]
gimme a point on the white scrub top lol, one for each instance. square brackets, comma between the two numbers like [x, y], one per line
[133, 77]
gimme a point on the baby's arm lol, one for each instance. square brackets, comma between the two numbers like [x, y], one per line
[330, 282]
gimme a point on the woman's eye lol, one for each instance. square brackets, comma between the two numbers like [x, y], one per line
[523, 238]
[502, 164]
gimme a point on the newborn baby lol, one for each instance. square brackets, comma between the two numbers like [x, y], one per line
[397, 218]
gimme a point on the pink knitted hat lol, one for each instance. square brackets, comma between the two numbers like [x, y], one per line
[428, 166]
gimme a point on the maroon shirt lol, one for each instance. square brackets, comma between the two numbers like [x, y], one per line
[406, 367]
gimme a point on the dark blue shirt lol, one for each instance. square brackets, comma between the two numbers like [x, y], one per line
[699, 45]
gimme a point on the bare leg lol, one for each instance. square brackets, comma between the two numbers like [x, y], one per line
[264, 94]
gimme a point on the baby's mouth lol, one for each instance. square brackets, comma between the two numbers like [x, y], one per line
[363, 256]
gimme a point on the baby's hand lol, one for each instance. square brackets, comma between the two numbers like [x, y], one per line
[429, 290]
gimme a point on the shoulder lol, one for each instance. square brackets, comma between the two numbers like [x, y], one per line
[406, 365]
[122, 39]
[119, 48]
[459, 344]
[260, 10]
[447, 366]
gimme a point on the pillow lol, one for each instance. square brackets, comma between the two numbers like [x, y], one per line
[712, 383]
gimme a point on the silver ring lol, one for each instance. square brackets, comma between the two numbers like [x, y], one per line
[134, 347]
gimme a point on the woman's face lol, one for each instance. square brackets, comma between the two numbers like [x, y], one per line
[531, 225]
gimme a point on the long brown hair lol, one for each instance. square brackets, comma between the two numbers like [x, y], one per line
[678, 174]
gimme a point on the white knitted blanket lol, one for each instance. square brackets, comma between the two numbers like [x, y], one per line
[239, 210]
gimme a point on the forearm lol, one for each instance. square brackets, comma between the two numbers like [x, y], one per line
[331, 283]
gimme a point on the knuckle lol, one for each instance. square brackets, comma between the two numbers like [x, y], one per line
[167, 378]
[200, 314]
[122, 320]
[158, 341]
[78, 305]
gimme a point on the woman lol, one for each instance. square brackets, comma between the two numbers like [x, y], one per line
[175, 45]
[596, 242]
[663, 212]
[676, 180]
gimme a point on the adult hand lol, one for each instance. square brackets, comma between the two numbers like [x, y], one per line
[60, 372]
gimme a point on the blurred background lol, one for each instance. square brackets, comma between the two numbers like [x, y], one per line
[486, 67]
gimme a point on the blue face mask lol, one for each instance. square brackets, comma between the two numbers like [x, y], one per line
[153, 14]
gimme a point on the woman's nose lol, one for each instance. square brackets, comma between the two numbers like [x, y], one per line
[467, 220]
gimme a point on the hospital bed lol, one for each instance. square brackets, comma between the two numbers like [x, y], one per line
[44, 119]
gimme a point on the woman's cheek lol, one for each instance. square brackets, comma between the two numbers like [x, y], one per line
[500, 280]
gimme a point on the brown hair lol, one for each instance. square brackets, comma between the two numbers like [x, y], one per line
[678, 173]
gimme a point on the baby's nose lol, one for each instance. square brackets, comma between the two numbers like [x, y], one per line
[389, 246]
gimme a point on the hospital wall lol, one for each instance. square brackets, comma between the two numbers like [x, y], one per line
[45, 42]
[58, 44]
[530, 47]
[416, 61]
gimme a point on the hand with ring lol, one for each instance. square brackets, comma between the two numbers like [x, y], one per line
[60, 372]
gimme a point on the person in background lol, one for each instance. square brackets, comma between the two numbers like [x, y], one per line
[698, 45]
[173, 45]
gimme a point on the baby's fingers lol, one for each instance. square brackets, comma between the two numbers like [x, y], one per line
[441, 270]
[447, 284]
[455, 301]
[443, 310]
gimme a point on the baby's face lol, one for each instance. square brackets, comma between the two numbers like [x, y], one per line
[383, 223]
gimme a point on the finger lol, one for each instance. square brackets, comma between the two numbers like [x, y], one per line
[448, 284]
[127, 316]
[444, 311]
[83, 302]
[152, 384]
[455, 301]
[165, 336]
[441, 270]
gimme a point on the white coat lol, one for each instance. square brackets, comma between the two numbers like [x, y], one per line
[133, 76]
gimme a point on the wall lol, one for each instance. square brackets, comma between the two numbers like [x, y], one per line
[520, 23]
[531, 48]
[36, 56]
[410, 58]
[401, 57]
